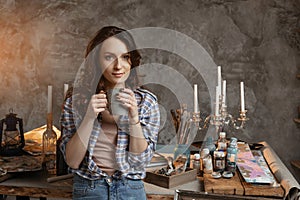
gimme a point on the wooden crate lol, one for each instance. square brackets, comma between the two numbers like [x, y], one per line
[231, 186]
[237, 186]
[171, 181]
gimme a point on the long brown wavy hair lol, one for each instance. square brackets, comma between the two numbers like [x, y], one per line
[90, 79]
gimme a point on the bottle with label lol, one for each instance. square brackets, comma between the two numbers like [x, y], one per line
[219, 161]
[196, 163]
[222, 142]
[206, 160]
[49, 147]
[232, 151]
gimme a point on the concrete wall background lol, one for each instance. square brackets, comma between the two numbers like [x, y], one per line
[258, 42]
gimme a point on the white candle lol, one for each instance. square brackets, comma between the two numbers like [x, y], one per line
[219, 76]
[224, 93]
[195, 98]
[217, 101]
[66, 87]
[242, 97]
[49, 107]
[219, 80]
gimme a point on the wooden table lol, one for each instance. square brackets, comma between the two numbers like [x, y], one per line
[34, 184]
[237, 186]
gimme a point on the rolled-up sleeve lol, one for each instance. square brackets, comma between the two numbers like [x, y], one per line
[150, 122]
[67, 122]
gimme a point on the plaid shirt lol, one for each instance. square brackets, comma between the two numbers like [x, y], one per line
[131, 165]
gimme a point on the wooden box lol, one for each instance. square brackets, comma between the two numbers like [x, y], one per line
[171, 181]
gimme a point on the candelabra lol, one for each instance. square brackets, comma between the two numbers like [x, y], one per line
[189, 123]
[227, 119]
[222, 118]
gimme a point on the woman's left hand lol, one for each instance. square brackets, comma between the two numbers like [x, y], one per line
[127, 97]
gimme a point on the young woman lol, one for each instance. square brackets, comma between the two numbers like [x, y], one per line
[106, 152]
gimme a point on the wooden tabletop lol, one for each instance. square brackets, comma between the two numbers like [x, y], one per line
[34, 184]
[237, 186]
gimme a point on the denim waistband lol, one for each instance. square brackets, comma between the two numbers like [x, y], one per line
[108, 179]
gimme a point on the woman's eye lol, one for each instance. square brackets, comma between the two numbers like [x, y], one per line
[108, 57]
[126, 57]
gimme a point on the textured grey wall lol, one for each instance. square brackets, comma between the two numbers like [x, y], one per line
[43, 42]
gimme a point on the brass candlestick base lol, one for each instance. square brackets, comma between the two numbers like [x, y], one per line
[216, 120]
[196, 117]
[243, 118]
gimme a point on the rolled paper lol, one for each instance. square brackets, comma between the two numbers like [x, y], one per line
[196, 98]
[217, 101]
[66, 87]
[49, 106]
[224, 93]
[242, 97]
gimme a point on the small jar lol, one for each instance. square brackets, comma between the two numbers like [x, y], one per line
[219, 161]
[206, 161]
[196, 163]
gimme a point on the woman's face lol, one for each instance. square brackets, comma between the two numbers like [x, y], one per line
[115, 62]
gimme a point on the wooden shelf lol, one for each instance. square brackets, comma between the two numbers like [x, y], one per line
[298, 76]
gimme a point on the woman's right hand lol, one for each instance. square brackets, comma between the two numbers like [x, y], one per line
[77, 146]
[97, 104]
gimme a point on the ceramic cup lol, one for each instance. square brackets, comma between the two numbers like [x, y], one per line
[115, 106]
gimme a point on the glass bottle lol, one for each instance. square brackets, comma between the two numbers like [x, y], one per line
[219, 161]
[209, 143]
[232, 155]
[222, 142]
[49, 147]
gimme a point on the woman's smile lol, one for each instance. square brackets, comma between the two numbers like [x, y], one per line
[118, 74]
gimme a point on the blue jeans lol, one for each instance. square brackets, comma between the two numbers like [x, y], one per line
[108, 188]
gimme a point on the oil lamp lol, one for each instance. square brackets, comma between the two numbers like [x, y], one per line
[11, 137]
